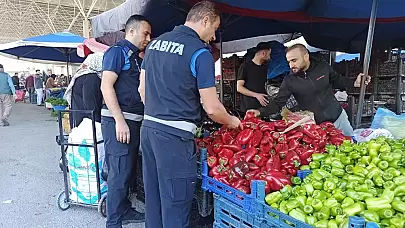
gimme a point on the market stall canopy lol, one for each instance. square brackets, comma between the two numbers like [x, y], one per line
[327, 24]
[58, 47]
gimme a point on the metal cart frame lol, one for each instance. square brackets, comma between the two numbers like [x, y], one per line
[63, 200]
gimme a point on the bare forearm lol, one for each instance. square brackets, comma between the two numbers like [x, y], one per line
[219, 114]
[141, 88]
[243, 90]
[110, 99]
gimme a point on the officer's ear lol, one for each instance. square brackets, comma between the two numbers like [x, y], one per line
[206, 21]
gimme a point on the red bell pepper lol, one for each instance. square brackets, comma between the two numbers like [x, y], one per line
[250, 154]
[249, 115]
[281, 150]
[290, 133]
[222, 179]
[282, 139]
[265, 139]
[266, 147]
[240, 169]
[322, 143]
[274, 163]
[293, 144]
[244, 189]
[217, 147]
[251, 175]
[212, 161]
[322, 133]
[226, 137]
[223, 161]
[236, 184]
[292, 171]
[291, 160]
[267, 134]
[333, 131]
[275, 135]
[257, 137]
[326, 125]
[216, 171]
[277, 180]
[234, 148]
[253, 167]
[307, 140]
[266, 127]
[210, 150]
[260, 175]
[337, 140]
[306, 156]
[225, 153]
[260, 160]
[279, 124]
[244, 136]
[310, 131]
[235, 160]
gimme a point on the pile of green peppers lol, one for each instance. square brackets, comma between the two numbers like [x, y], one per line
[365, 179]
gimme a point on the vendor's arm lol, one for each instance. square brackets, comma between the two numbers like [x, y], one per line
[203, 68]
[242, 75]
[11, 84]
[278, 102]
[113, 61]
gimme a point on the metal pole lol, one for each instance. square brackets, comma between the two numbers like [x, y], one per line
[366, 62]
[221, 82]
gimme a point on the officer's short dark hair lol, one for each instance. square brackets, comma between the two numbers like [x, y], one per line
[301, 47]
[134, 21]
[203, 9]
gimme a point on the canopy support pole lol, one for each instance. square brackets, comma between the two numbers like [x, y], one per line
[366, 63]
[221, 82]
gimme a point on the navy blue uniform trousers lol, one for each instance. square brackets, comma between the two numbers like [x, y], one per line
[169, 175]
[121, 159]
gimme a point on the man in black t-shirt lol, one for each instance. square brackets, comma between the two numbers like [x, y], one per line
[252, 78]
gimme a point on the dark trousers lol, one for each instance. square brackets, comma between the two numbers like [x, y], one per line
[30, 94]
[120, 159]
[169, 175]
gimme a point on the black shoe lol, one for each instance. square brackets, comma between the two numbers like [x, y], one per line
[133, 216]
[6, 123]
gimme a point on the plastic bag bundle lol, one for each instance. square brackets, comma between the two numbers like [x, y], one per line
[386, 119]
[292, 117]
[364, 135]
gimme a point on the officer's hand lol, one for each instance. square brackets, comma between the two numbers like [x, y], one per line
[262, 98]
[122, 131]
[254, 111]
[357, 83]
[235, 123]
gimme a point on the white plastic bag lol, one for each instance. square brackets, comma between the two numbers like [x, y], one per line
[386, 119]
[81, 163]
[364, 135]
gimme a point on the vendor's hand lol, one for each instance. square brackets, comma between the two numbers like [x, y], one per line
[254, 111]
[262, 98]
[122, 131]
[357, 83]
[235, 123]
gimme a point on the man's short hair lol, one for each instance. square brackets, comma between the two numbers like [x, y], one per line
[301, 47]
[134, 22]
[1, 66]
[201, 10]
[262, 46]
[38, 71]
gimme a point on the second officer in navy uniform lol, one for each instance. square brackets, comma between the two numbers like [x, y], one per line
[178, 73]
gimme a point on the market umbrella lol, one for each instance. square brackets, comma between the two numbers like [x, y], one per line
[51, 48]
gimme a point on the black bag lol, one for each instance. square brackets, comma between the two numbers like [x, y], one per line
[104, 171]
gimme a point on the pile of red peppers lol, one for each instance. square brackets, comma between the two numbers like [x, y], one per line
[262, 152]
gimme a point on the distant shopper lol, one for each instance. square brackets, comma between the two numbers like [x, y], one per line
[50, 83]
[7, 96]
[39, 87]
[16, 81]
[29, 86]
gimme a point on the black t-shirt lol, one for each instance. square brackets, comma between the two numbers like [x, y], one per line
[255, 78]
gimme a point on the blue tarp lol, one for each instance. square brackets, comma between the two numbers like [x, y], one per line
[58, 47]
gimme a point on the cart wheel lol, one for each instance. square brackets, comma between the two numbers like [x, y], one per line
[102, 205]
[62, 202]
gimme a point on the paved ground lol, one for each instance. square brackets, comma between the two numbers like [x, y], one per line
[30, 178]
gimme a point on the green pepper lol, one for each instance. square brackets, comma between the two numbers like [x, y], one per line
[317, 204]
[353, 209]
[327, 160]
[362, 205]
[402, 170]
[323, 173]
[383, 165]
[283, 207]
[332, 224]
[324, 213]
[397, 222]
[336, 210]
[369, 167]
[314, 165]
[297, 215]
[369, 183]
[365, 195]
[351, 178]
[387, 176]
[329, 186]
[398, 206]
[389, 185]
[326, 167]
[399, 180]
[378, 180]
[395, 164]
[337, 172]
[385, 223]
[375, 160]
[353, 194]
[394, 172]
[331, 202]
[317, 185]
[352, 185]
[275, 205]
[319, 157]
[360, 171]
[308, 188]
[355, 155]
[361, 165]
[347, 202]
[273, 197]
[373, 149]
[346, 160]
[309, 200]
[361, 188]
[385, 149]
[337, 164]
[396, 155]
[371, 216]
[349, 169]
[374, 191]
[311, 220]
[322, 224]
[299, 191]
[308, 209]
[305, 167]
[400, 190]
[296, 180]
[286, 192]
[340, 218]
[372, 172]
[292, 204]
[339, 195]
[386, 213]
[318, 194]
[365, 160]
[400, 215]
[376, 204]
[342, 184]
[302, 200]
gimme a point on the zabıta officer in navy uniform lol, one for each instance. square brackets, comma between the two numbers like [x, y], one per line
[178, 71]
[121, 118]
